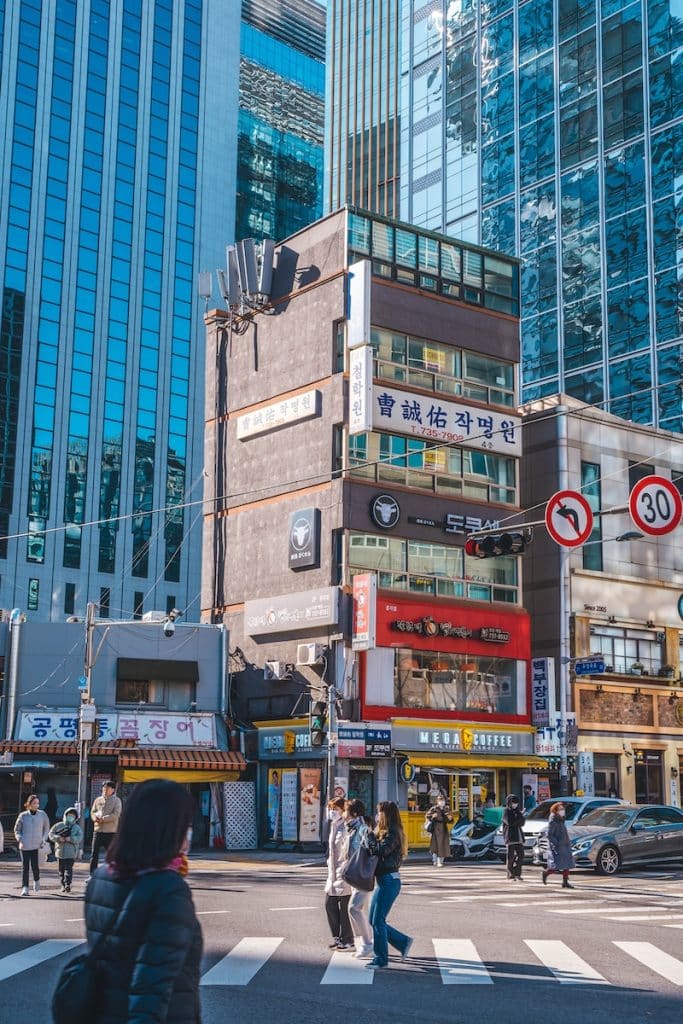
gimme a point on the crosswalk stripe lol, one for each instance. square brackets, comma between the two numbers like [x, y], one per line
[645, 917]
[656, 959]
[344, 969]
[459, 963]
[15, 963]
[606, 908]
[565, 964]
[242, 962]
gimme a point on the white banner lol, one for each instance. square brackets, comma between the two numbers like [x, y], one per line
[455, 422]
[279, 414]
[547, 741]
[360, 282]
[585, 778]
[147, 728]
[360, 390]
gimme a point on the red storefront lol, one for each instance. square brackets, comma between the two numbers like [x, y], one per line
[453, 679]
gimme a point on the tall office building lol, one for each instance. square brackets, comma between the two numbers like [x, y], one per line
[554, 131]
[117, 162]
[362, 105]
[281, 117]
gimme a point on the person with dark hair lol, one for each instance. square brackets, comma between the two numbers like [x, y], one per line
[149, 959]
[105, 813]
[359, 904]
[30, 831]
[388, 842]
[67, 835]
[513, 820]
[337, 891]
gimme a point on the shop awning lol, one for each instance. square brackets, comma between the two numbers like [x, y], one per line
[178, 759]
[142, 774]
[463, 761]
[67, 748]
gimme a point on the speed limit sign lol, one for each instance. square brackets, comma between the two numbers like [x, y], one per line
[655, 505]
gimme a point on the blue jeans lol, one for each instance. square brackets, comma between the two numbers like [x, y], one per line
[383, 899]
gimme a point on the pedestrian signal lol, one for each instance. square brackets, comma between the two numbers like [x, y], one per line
[317, 723]
[493, 546]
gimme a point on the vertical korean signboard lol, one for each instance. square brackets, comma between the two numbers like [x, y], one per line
[364, 612]
[358, 313]
[542, 692]
[360, 390]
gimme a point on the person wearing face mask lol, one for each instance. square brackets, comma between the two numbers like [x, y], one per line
[513, 819]
[560, 857]
[140, 917]
[440, 817]
[67, 835]
[337, 891]
[30, 831]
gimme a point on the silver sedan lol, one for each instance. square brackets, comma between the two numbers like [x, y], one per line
[615, 837]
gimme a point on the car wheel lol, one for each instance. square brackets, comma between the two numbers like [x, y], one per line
[608, 861]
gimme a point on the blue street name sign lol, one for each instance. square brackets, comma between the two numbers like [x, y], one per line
[589, 666]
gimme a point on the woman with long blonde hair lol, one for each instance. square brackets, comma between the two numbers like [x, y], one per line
[388, 842]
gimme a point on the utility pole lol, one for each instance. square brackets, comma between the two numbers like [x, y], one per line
[331, 738]
[87, 710]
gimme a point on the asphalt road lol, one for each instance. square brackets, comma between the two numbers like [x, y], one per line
[485, 950]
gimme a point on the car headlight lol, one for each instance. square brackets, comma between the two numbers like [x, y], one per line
[582, 845]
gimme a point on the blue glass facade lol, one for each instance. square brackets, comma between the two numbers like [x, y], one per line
[103, 227]
[281, 119]
[551, 130]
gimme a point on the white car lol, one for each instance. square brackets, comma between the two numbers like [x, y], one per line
[536, 820]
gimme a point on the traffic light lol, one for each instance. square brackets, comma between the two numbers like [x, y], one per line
[317, 723]
[494, 545]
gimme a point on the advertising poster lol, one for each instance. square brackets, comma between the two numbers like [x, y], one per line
[309, 817]
[274, 797]
[543, 788]
[289, 803]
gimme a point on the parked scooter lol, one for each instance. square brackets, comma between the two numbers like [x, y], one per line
[473, 840]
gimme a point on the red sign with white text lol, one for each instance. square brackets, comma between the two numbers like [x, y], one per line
[364, 611]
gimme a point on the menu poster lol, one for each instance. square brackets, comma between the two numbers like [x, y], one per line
[289, 804]
[309, 818]
[273, 802]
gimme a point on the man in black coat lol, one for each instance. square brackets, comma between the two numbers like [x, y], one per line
[513, 820]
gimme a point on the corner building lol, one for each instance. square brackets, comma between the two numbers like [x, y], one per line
[364, 423]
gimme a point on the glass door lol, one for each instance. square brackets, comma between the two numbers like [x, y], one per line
[648, 777]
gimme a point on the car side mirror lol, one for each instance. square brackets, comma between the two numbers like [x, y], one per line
[636, 828]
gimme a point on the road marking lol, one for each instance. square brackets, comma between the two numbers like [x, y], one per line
[646, 917]
[605, 909]
[658, 961]
[294, 908]
[34, 955]
[541, 903]
[203, 913]
[565, 964]
[344, 969]
[242, 962]
[459, 963]
[70, 920]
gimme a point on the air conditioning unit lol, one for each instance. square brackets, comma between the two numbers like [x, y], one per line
[154, 616]
[308, 654]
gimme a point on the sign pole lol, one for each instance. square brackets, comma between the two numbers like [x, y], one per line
[84, 728]
[331, 738]
[565, 610]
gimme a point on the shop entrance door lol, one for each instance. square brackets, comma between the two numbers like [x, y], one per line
[649, 778]
[360, 788]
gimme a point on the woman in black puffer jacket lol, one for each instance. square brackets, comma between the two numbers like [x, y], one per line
[148, 964]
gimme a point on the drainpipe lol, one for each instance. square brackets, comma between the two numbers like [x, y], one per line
[15, 621]
[224, 672]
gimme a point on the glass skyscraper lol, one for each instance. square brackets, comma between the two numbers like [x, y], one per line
[281, 117]
[117, 184]
[553, 130]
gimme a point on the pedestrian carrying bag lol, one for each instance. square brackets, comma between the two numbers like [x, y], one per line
[360, 869]
[429, 826]
[76, 998]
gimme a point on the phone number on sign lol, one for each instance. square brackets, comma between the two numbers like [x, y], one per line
[438, 435]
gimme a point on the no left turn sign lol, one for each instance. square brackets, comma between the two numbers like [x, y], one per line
[655, 505]
[569, 518]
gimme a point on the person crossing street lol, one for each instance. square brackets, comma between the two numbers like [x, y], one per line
[105, 814]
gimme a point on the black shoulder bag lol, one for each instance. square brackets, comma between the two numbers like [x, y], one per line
[75, 998]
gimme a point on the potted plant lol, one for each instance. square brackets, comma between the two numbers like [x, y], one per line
[666, 672]
[637, 668]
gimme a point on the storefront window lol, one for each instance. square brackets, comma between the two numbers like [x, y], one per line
[631, 651]
[457, 682]
[443, 368]
[447, 469]
[438, 569]
[467, 793]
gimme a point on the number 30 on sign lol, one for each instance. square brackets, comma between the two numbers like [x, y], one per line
[655, 505]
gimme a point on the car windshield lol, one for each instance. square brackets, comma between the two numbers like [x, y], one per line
[542, 811]
[606, 817]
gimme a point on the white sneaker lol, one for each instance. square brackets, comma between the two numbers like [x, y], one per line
[36, 886]
[439, 862]
[24, 891]
[367, 955]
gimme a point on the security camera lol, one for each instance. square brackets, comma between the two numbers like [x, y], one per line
[169, 627]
